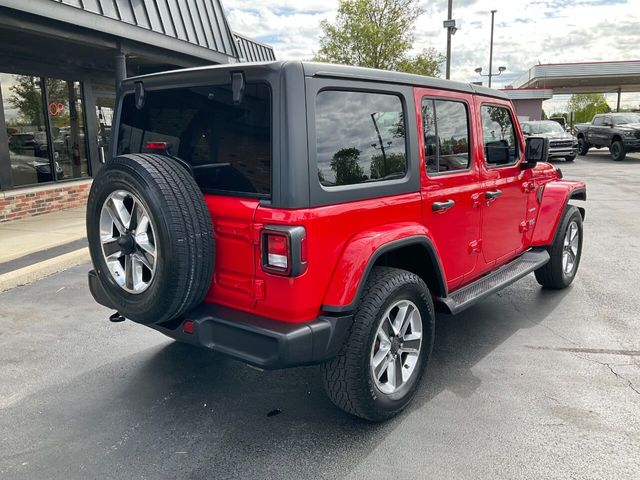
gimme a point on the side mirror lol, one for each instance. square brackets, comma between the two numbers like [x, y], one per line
[607, 124]
[536, 150]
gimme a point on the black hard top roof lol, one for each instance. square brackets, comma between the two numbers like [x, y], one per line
[315, 69]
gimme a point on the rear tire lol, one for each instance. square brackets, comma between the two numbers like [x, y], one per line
[375, 375]
[565, 253]
[178, 244]
[617, 151]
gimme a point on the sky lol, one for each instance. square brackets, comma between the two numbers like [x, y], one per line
[526, 33]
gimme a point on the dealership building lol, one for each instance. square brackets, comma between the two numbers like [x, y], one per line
[60, 63]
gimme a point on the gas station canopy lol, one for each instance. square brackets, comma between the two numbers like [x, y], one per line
[583, 77]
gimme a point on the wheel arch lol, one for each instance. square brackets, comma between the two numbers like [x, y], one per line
[616, 138]
[553, 203]
[415, 253]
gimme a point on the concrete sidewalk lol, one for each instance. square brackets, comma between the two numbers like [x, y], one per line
[35, 247]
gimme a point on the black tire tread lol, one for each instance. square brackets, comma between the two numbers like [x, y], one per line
[550, 274]
[191, 228]
[342, 375]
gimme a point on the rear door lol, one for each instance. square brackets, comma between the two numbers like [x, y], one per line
[450, 179]
[504, 191]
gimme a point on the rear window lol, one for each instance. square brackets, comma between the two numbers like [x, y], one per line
[227, 145]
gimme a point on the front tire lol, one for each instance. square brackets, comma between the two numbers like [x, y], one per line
[379, 367]
[617, 151]
[570, 158]
[565, 253]
[583, 146]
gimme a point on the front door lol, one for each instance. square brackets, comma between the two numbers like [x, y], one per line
[450, 180]
[504, 194]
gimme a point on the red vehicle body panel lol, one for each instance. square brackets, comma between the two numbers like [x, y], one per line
[474, 237]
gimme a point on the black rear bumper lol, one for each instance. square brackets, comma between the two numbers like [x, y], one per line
[259, 341]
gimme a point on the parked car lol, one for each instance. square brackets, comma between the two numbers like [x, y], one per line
[30, 143]
[561, 143]
[620, 132]
[26, 169]
[294, 213]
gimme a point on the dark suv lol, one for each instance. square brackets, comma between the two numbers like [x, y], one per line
[296, 213]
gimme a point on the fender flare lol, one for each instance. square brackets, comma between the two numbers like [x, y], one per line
[553, 199]
[422, 240]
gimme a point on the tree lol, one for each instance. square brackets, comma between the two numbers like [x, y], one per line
[382, 166]
[586, 105]
[376, 34]
[26, 96]
[345, 164]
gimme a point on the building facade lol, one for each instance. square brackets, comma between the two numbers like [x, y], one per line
[60, 63]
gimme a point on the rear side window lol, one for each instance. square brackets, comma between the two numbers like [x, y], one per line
[597, 120]
[228, 146]
[360, 137]
[499, 136]
[446, 135]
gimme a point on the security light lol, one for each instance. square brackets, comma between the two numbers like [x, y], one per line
[478, 70]
[502, 69]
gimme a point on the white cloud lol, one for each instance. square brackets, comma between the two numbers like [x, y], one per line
[526, 32]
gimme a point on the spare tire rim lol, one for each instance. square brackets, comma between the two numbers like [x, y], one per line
[570, 248]
[396, 346]
[128, 240]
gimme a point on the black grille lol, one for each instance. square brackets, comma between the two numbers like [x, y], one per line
[561, 143]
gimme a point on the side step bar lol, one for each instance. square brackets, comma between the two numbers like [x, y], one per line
[492, 282]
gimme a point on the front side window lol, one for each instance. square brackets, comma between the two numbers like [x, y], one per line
[227, 145]
[446, 135]
[360, 137]
[499, 136]
[597, 120]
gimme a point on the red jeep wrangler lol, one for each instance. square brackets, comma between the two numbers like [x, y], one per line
[294, 213]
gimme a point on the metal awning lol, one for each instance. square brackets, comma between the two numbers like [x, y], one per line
[197, 29]
[584, 77]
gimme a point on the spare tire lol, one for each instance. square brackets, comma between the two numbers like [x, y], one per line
[150, 237]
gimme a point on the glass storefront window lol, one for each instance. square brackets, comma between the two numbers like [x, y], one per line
[66, 117]
[26, 129]
[43, 136]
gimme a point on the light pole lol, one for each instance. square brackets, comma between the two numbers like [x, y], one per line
[493, 14]
[500, 70]
[450, 25]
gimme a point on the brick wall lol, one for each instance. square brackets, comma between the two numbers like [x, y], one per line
[28, 202]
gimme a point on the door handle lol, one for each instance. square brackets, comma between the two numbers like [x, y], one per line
[441, 206]
[492, 194]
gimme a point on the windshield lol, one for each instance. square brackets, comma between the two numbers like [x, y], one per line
[626, 118]
[227, 145]
[544, 127]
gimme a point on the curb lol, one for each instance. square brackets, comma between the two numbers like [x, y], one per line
[32, 273]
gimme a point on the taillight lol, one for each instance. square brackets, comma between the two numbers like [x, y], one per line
[284, 250]
[157, 146]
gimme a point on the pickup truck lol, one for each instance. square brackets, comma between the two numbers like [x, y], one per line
[295, 213]
[620, 132]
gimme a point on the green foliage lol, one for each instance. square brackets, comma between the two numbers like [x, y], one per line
[345, 164]
[586, 105]
[376, 34]
[381, 166]
[26, 97]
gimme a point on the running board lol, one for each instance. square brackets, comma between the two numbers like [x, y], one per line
[492, 282]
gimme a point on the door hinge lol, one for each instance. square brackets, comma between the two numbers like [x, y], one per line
[475, 246]
[255, 233]
[527, 225]
[258, 289]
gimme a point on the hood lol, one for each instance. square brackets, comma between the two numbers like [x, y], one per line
[555, 135]
[630, 126]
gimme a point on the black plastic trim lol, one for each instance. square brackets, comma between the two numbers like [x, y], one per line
[97, 290]
[294, 235]
[259, 341]
[387, 247]
[579, 194]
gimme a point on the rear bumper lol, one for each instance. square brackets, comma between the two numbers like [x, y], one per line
[259, 341]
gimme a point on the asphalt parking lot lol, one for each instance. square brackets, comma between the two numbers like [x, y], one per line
[528, 384]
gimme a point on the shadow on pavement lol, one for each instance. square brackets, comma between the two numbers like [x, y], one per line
[176, 411]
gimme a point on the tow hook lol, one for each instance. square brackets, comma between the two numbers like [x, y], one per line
[116, 317]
